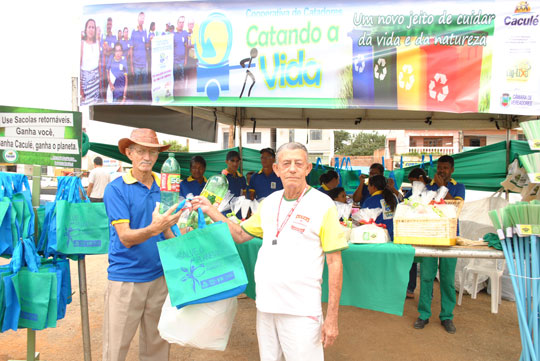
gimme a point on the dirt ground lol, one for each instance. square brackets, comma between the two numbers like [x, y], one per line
[364, 335]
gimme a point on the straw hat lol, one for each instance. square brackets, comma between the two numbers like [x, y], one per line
[142, 136]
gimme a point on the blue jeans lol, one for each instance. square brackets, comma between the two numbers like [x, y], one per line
[178, 71]
[139, 82]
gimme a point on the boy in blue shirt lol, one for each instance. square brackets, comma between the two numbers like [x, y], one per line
[237, 182]
[446, 266]
[265, 182]
[117, 75]
[195, 183]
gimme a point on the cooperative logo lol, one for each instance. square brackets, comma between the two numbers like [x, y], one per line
[10, 156]
[213, 48]
[522, 16]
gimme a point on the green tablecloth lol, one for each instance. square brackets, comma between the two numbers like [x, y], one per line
[375, 276]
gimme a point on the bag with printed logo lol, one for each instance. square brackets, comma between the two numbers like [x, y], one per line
[202, 265]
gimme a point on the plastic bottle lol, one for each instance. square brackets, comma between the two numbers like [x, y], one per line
[170, 183]
[215, 189]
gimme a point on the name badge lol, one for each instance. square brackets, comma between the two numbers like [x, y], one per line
[121, 66]
[273, 185]
[143, 40]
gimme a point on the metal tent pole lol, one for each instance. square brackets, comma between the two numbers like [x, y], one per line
[85, 320]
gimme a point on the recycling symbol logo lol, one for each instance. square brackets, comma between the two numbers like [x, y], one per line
[407, 69]
[440, 79]
[379, 71]
[359, 63]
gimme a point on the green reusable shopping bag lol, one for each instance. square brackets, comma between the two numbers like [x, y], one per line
[316, 172]
[82, 228]
[201, 263]
[36, 292]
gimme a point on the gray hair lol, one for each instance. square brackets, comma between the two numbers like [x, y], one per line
[291, 146]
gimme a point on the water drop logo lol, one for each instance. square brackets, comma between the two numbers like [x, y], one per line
[213, 48]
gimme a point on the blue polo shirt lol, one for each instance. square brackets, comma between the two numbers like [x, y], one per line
[365, 195]
[139, 38]
[129, 201]
[237, 182]
[387, 216]
[190, 185]
[180, 41]
[456, 190]
[264, 185]
[111, 40]
[126, 45]
[119, 69]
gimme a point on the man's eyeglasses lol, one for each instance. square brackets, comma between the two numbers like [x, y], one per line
[141, 152]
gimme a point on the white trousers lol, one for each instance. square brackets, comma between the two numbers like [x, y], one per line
[287, 337]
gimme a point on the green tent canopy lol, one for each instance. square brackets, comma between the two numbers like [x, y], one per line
[215, 161]
[481, 169]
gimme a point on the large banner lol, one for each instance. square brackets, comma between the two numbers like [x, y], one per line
[453, 56]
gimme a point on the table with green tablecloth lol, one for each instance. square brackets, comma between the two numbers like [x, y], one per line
[375, 276]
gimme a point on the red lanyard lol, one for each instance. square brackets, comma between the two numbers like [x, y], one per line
[280, 228]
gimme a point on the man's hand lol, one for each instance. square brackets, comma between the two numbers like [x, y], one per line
[202, 203]
[111, 86]
[329, 332]
[438, 179]
[362, 178]
[162, 222]
[390, 183]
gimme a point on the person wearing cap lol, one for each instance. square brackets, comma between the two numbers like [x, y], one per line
[265, 182]
[195, 183]
[445, 266]
[299, 228]
[237, 182]
[136, 286]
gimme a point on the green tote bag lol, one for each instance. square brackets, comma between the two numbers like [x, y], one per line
[82, 228]
[201, 264]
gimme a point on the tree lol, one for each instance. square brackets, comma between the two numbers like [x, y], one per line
[365, 143]
[341, 140]
[175, 146]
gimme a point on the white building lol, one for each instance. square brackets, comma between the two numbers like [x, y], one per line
[320, 143]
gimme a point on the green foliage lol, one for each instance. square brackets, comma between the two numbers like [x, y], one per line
[364, 143]
[341, 140]
[175, 146]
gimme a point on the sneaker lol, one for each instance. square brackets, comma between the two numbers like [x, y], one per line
[419, 323]
[449, 326]
[410, 294]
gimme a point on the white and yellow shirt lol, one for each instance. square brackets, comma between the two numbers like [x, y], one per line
[288, 274]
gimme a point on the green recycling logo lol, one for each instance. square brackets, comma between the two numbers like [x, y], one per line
[408, 70]
[379, 70]
[438, 79]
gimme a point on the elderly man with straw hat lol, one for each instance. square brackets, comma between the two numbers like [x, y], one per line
[136, 288]
[299, 228]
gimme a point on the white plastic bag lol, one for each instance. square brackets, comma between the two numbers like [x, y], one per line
[205, 326]
[516, 179]
[369, 233]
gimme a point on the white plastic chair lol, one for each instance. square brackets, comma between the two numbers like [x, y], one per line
[488, 268]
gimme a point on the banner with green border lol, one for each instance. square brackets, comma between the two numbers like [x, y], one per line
[40, 137]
